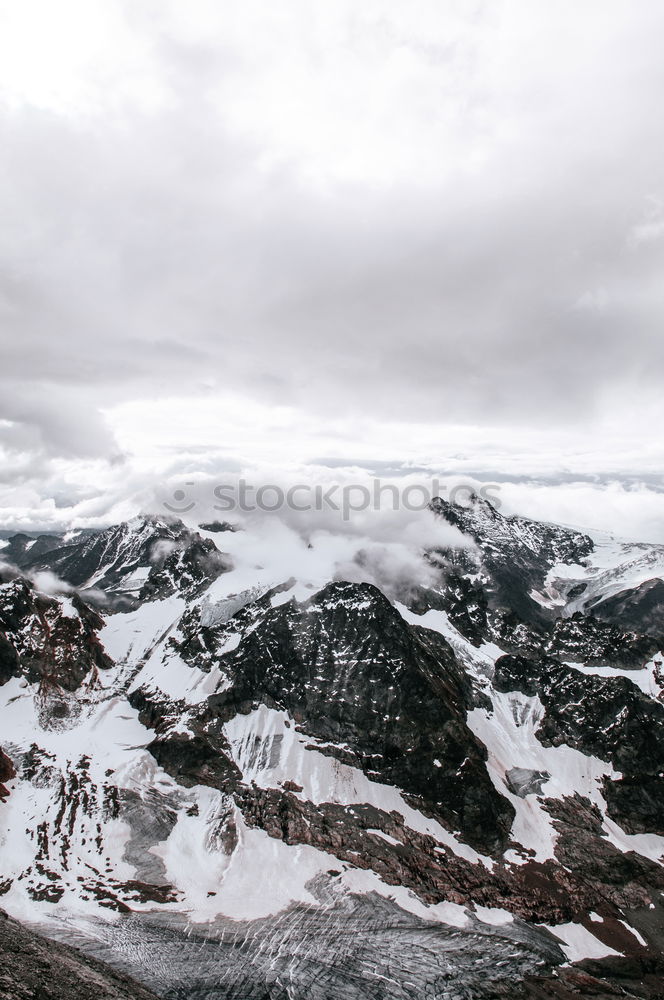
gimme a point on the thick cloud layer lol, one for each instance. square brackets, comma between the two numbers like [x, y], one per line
[444, 215]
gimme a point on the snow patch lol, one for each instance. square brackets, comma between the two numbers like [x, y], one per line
[579, 943]
[269, 750]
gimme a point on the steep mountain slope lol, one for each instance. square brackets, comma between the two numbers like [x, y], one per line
[286, 792]
[144, 559]
[6, 772]
[21, 549]
[514, 554]
[622, 582]
[609, 717]
[382, 696]
[640, 608]
[47, 640]
[32, 967]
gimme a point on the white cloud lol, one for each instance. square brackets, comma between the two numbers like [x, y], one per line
[49, 583]
[243, 234]
[274, 549]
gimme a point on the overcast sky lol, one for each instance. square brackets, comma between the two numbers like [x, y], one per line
[318, 234]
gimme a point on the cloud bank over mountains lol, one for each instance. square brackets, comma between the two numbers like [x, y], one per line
[408, 235]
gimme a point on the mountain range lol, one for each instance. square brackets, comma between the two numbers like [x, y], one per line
[231, 788]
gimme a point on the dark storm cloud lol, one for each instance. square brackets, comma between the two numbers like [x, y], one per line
[148, 253]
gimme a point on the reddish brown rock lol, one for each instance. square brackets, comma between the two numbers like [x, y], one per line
[7, 772]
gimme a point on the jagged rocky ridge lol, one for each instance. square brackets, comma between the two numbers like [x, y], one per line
[464, 767]
[513, 553]
[381, 695]
[122, 566]
[608, 717]
[46, 640]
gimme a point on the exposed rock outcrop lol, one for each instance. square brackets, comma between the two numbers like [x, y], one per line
[53, 641]
[33, 967]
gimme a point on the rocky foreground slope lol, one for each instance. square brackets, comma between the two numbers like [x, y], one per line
[235, 787]
[33, 967]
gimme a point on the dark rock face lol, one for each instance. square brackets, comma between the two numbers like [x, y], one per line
[515, 553]
[350, 671]
[186, 571]
[464, 601]
[380, 695]
[346, 677]
[42, 640]
[106, 562]
[33, 967]
[108, 556]
[641, 609]
[196, 760]
[541, 892]
[342, 664]
[367, 837]
[23, 549]
[586, 639]
[500, 536]
[637, 802]
[625, 880]
[7, 772]
[611, 978]
[470, 608]
[608, 717]
[605, 716]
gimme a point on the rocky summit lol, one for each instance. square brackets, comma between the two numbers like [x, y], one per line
[228, 786]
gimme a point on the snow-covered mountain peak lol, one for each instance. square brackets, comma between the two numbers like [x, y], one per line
[144, 559]
[490, 529]
[282, 764]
